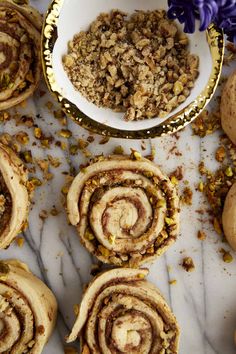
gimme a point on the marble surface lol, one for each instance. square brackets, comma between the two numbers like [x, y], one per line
[203, 301]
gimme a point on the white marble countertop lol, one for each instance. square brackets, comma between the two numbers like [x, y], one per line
[203, 301]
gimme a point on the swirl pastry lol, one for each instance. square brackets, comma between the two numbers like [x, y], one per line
[121, 312]
[14, 197]
[125, 210]
[27, 310]
[20, 64]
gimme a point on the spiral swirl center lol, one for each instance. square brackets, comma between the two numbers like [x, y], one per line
[122, 212]
[128, 332]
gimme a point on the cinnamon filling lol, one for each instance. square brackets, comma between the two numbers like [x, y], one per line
[5, 205]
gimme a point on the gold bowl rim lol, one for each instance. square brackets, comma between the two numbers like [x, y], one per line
[215, 38]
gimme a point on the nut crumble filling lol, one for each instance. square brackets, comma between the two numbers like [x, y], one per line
[139, 65]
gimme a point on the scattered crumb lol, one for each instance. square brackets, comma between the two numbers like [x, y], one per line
[43, 214]
[226, 256]
[54, 211]
[186, 197]
[65, 133]
[20, 241]
[220, 154]
[173, 282]
[201, 235]
[178, 173]
[104, 140]
[207, 122]
[188, 264]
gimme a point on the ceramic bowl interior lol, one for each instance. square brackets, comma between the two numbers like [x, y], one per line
[66, 18]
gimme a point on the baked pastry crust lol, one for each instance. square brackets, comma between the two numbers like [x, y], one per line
[228, 108]
[126, 210]
[229, 217]
[14, 196]
[122, 312]
[27, 310]
[20, 67]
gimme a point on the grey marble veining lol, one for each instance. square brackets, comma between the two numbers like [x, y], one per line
[203, 301]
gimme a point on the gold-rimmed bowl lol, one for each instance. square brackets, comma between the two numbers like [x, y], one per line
[65, 18]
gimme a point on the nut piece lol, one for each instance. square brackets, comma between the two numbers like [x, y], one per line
[228, 108]
[229, 217]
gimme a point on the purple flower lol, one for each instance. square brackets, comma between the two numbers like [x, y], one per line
[221, 12]
[184, 12]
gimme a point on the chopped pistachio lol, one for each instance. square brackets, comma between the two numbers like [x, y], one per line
[74, 149]
[76, 309]
[173, 282]
[65, 133]
[36, 181]
[20, 241]
[59, 114]
[27, 156]
[104, 251]
[169, 221]
[174, 180]
[82, 144]
[45, 143]
[4, 116]
[112, 239]
[141, 276]
[178, 88]
[148, 174]
[54, 161]
[87, 153]
[160, 203]
[135, 155]
[88, 235]
[201, 186]
[49, 105]
[37, 133]
[227, 257]
[43, 164]
[118, 150]
[65, 190]
[229, 172]
[212, 187]
[22, 138]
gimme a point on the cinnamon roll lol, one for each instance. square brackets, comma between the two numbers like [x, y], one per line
[20, 64]
[27, 310]
[121, 312]
[14, 196]
[126, 210]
